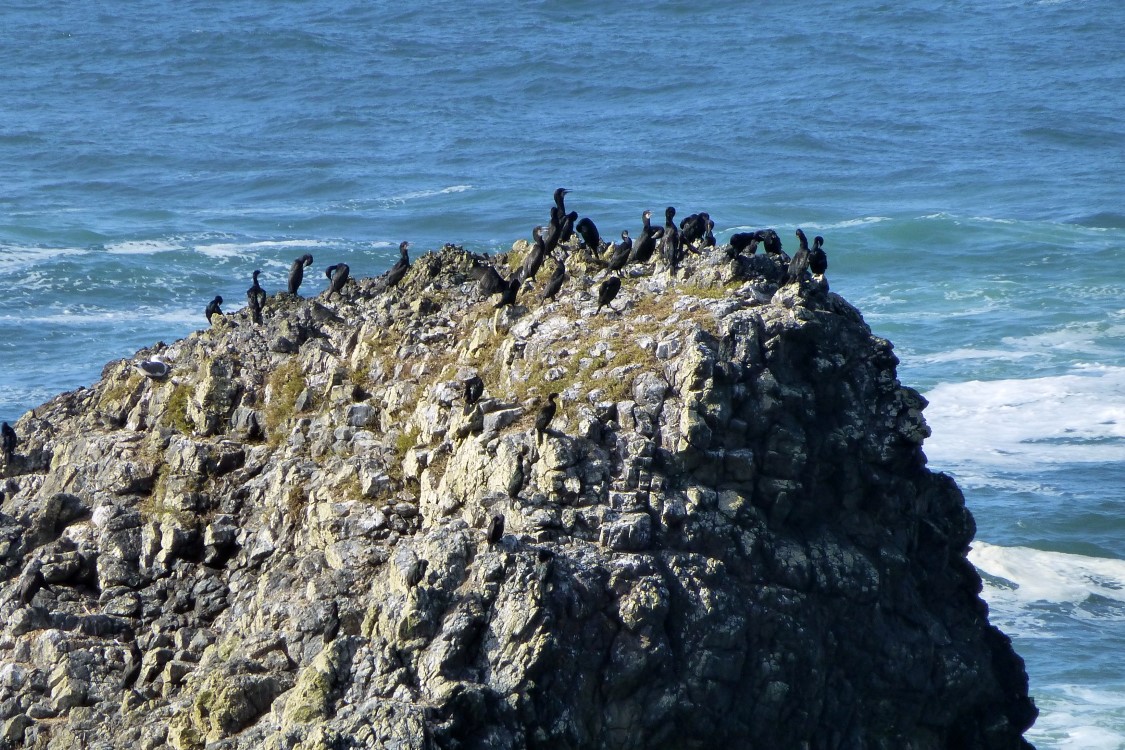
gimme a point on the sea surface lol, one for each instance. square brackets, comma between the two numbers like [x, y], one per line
[963, 161]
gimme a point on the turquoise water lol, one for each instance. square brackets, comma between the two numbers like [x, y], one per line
[962, 161]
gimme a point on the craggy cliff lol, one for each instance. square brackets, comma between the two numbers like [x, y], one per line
[726, 536]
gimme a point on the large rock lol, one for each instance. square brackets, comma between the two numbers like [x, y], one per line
[728, 536]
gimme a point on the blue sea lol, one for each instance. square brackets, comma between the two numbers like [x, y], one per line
[963, 161]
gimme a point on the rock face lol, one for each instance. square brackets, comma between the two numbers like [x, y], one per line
[726, 536]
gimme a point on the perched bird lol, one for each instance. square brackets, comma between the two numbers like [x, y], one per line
[558, 196]
[818, 260]
[213, 308]
[771, 243]
[297, 272]
[747, 241]
[534, 260]
[800, 262]
[709, 235]
[399, 269]
[8, 441]
[255, 298]
[338, 276]
[694, 227]
[488, 281]
[620, 255]
[510, 290]
[473, 389]
[645, 245]
[672, 247]
[416, 572]
[567, 230]
[495, 529]
[558, 276]
[546, 413]
[607, 291]
[153, 368]
[588, 231]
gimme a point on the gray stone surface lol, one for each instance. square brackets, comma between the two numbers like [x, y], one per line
[728, 537]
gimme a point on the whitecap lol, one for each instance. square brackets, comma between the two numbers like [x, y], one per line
[864, 221]
[1073, 418]
[1031, 575]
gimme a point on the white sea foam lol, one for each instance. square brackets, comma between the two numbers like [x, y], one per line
[1039, 576]
[141, 247]
[1069, 718]
[235, 249]
[864, 221]
[420, 194]
[1075, 418]
[17, 258]
[961, 355]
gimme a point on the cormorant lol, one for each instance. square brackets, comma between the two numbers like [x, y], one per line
[818, 260]
[590, 235]
[567, 230]
[559, 193]
[771, 243]
[473, 390]
[546, 413]
[645, 245]
[620, 255]
[153, 368]
[255, 298]
[297, 272]
[558, 276]
[338, 276]
[709, 235]
[555, 230]
[8, 442]
[747, 241]
[607, 291]
[510, 290]
[213, 308]
[671, 247]
[488, 281]
[416, 572]
[399, 269]
[535, 257]
[694, 227]
[495, 529]
[800, 262]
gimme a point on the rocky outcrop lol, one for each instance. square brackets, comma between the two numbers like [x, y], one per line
[726, 535]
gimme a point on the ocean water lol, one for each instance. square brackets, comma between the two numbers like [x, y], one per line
[963, 161]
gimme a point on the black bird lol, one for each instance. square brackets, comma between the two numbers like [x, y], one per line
[620, 255]
[495, 529]
[255, 298]
[338, 276]
[672, 248]
[416, 572]
[558, 276]
[297, 272]
[555, 230]
[607, 291]
[473, 390]
[771, 243]
[535, 257]
[213, 308]
[546, 413]
[694, 227]
[399, 269]
[8, 441]
[567, 230]
[709, 235]
[510, 290]
[800, 262]
[747, 241]
[818, 260]
[488, 281]
[589, 233]
[559, 194]
[645, 245]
